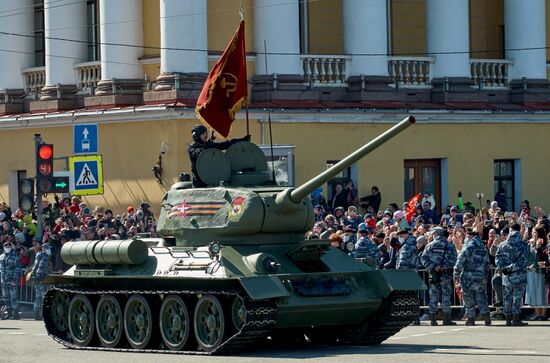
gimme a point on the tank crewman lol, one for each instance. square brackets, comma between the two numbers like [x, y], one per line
[471, 270]
[365, 248]
[439, 258]
[10, 274]
[39, 271]
[202, 142]
[511, 259]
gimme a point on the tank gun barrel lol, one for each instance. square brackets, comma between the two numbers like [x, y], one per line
[303, 191]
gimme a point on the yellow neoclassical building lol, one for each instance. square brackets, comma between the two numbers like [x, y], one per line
[334, 74]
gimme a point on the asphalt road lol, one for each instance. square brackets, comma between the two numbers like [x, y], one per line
[26, 341]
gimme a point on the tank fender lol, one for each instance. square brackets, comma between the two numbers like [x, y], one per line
[387, 281]
[263, 287]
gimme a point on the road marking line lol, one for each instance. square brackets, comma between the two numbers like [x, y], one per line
[17, 333]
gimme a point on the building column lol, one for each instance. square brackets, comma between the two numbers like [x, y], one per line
[525, 28]
[277, 29]
[121, 35]
[18, 52]
[366, 40]
[65, 45]
[448, 42]
[184, 50]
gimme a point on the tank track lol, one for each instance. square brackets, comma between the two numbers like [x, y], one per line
[398, 310]
[260, 318]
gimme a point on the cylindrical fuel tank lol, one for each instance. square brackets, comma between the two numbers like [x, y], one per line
[109, 252]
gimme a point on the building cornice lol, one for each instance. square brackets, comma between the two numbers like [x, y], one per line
[359, 116]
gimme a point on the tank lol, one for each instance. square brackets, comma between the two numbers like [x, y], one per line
[231, 270]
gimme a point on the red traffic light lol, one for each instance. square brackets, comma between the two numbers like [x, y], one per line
[45, 152]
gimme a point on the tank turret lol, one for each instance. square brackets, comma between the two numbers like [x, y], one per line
[243, 202]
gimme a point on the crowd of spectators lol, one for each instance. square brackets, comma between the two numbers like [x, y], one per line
[349, 225]
[346, 220]
[64, 220]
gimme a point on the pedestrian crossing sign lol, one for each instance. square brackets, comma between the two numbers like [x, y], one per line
[87, 172]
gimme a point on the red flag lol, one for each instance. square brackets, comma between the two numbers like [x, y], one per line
[225, 89]
[411, 206]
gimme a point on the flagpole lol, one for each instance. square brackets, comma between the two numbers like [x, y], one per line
[269, 118]
[241, 13]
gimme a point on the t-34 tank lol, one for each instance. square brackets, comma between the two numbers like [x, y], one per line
[232, 268]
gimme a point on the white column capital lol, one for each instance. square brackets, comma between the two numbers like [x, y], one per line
[366, 36]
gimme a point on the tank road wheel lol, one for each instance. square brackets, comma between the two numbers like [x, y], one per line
[209, 323]
[109, 321]
[174, 322]
[138, 322]
[60, 310]
[238, 313]
[81, 320]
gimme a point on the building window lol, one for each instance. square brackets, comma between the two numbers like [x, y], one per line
[39, 41]
[504, 181]
[283, 161]
[341, 178]
[92, 12]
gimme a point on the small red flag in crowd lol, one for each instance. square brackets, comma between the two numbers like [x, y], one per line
[225, 89]
[411, 206]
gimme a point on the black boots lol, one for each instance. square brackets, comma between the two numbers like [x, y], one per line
[447, 319]
[517, 321]
[508, 320]
[433, 322]
[487, 319]
[470, 322]
[14, 314]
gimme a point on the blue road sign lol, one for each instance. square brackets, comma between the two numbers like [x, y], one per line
[87, 173]
[85, 138]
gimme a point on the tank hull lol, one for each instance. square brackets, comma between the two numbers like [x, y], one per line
[346, 297]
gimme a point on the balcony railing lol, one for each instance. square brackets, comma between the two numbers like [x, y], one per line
[490, 73]
[325, 70]
[35, 79]
[411, 72]
[87, 76]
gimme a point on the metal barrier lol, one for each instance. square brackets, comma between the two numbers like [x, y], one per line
[26, 291]
[536, 281]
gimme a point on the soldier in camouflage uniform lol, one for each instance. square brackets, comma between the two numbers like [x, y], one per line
[472, 269]
[439, 258]
[365, 248]
[407, 258]
[40, 270]
[10, 274]
[511, 259]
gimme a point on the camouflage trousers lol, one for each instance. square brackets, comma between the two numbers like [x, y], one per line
[39, 291]
[10, 293]
[475, 295]
[513, 299]
[441, 293]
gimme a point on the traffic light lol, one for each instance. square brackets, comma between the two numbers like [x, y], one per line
[26, 195]
[44, 168]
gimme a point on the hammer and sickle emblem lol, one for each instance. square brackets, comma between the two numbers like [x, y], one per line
[229, 84]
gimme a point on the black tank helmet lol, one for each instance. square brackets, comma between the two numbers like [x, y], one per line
[197, 131]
